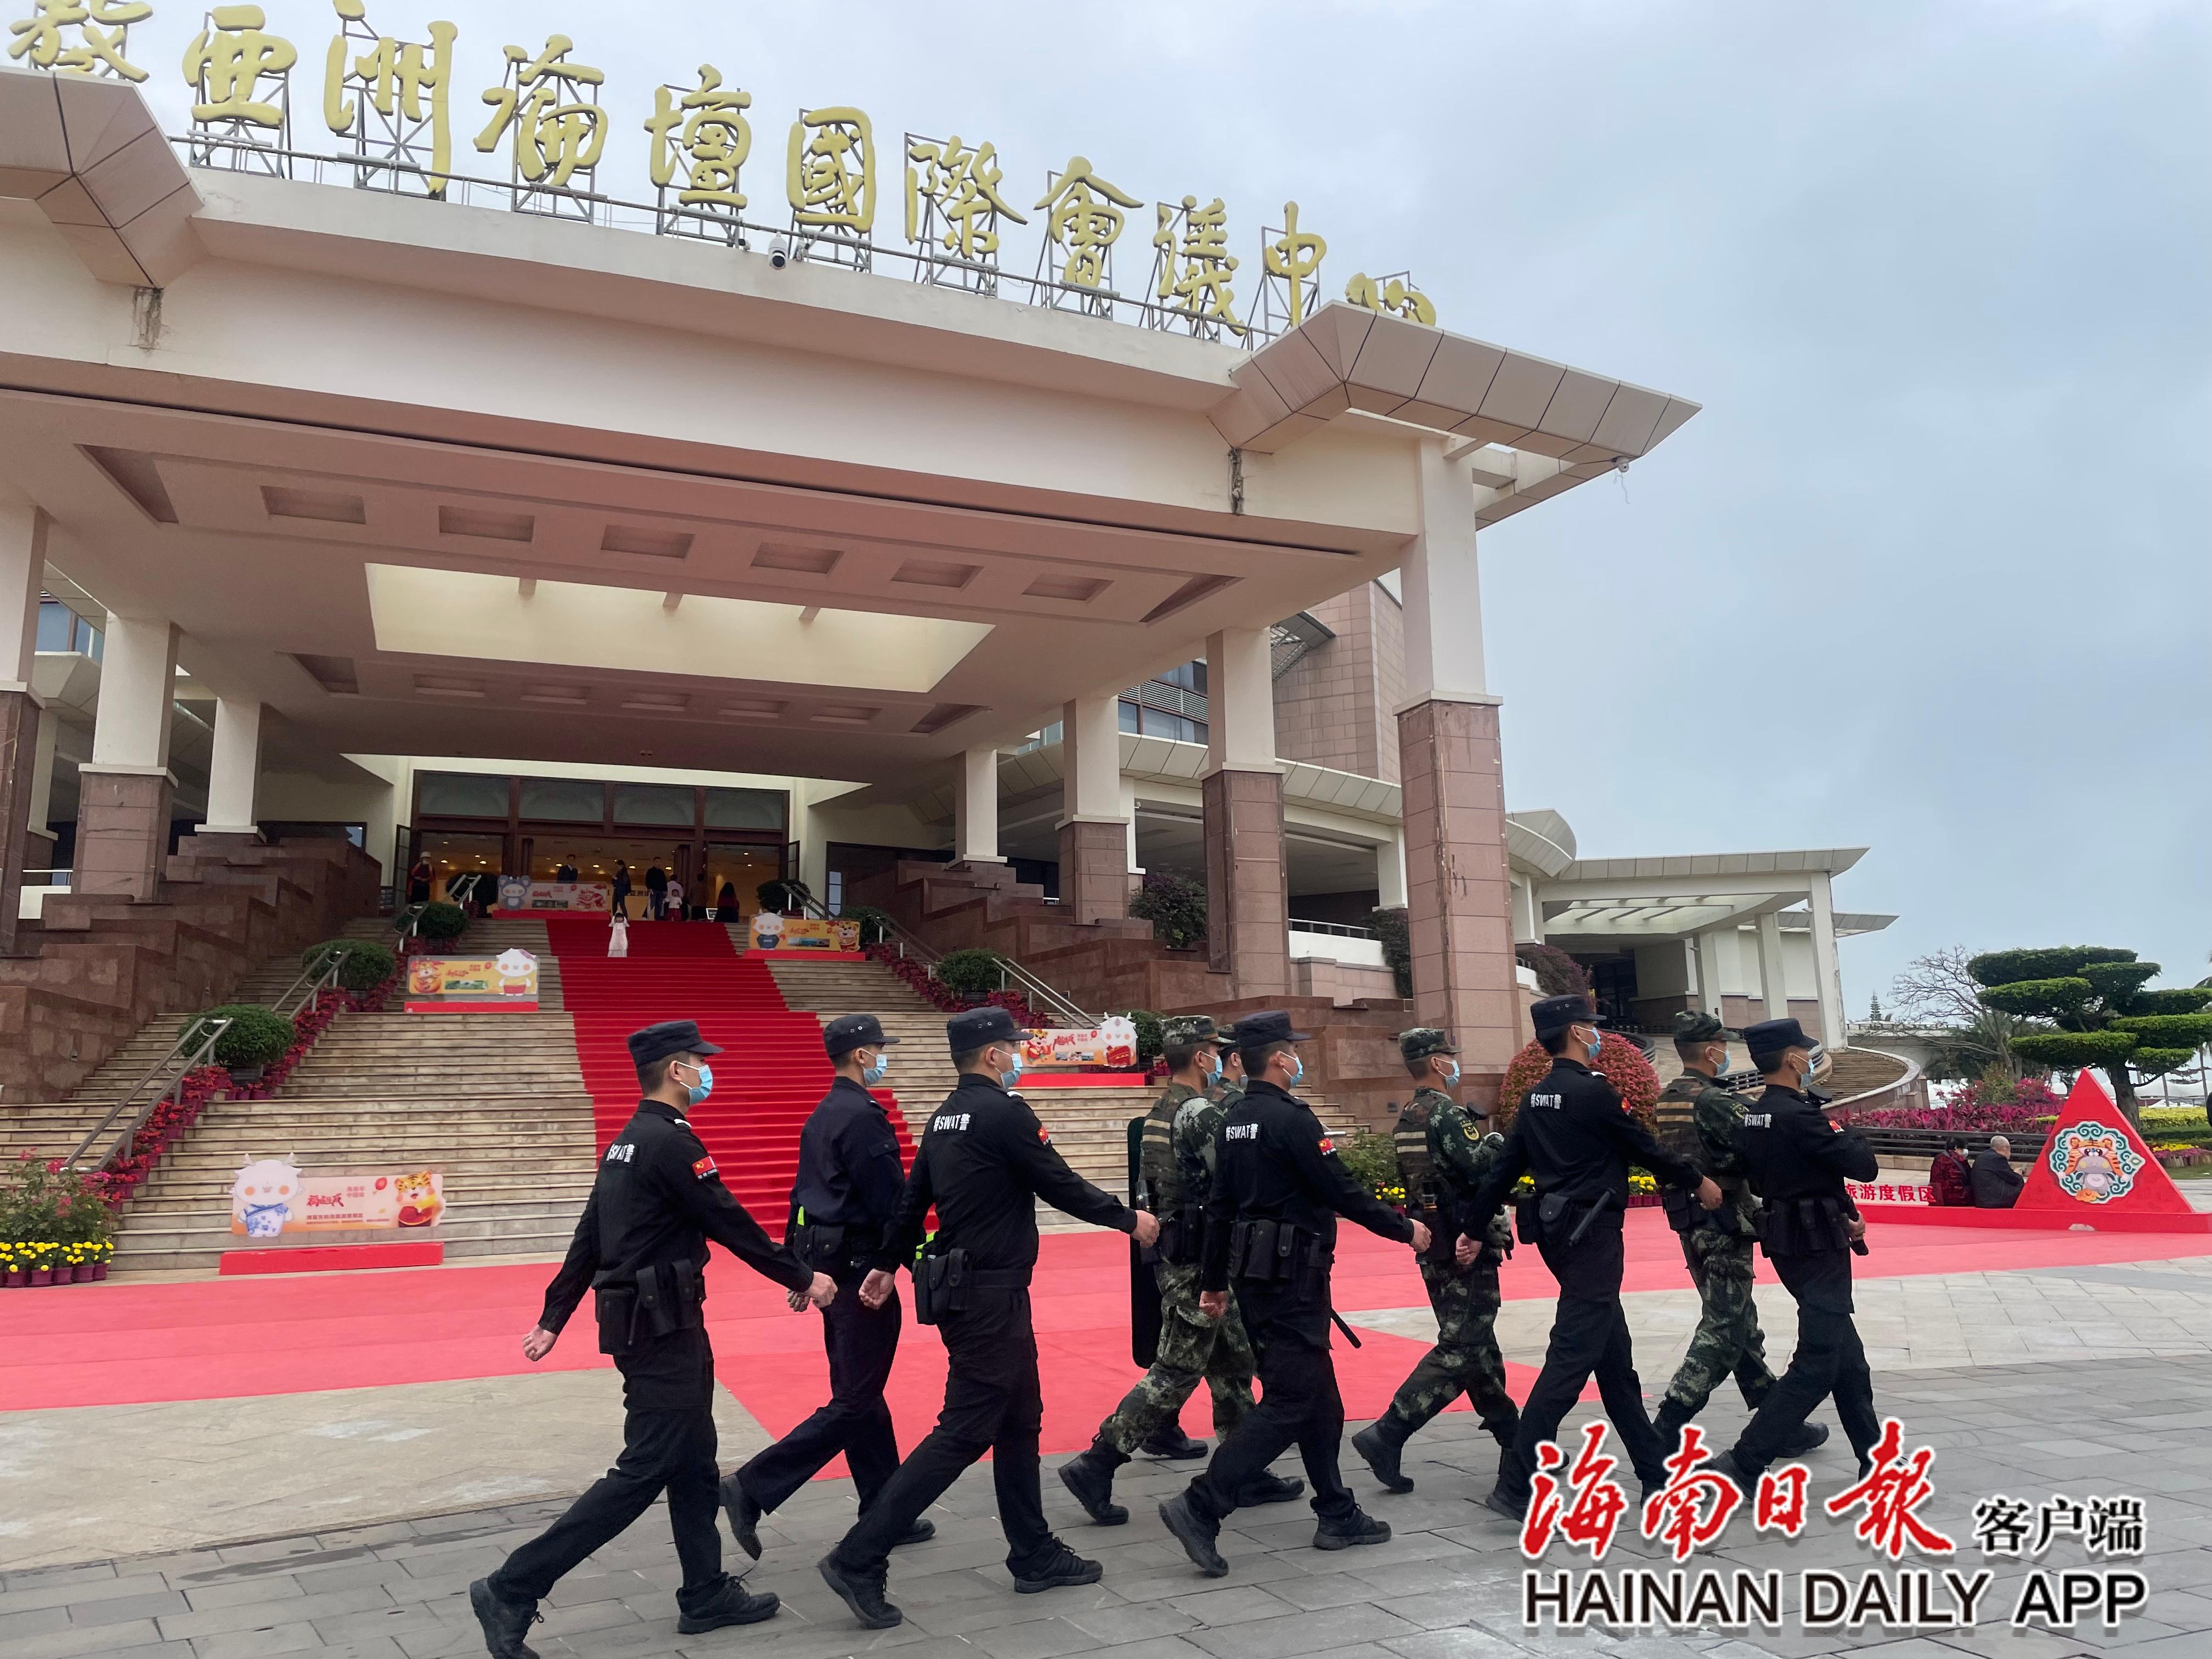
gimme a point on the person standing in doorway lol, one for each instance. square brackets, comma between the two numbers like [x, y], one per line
[656, 893]
[418, 882]
[843, 1208]
[622, 888]
[641, 1249]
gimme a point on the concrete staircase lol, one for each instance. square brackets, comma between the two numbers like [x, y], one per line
[495, 1101]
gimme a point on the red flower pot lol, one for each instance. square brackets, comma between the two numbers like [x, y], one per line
[41, 1276]
[98, 1271]
[16, 1277]
[81, 1274]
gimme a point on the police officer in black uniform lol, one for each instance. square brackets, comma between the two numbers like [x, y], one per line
[1573, 1134]
[640, 1248]
[1797, 1162]
[850, 1180]
[983, 1161]
[1271, 1226]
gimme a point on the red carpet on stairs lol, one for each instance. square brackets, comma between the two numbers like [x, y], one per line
[771, 1075]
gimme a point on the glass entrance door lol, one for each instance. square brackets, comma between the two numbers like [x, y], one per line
[732, 872]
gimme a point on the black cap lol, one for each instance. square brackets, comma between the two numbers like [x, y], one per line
[979, 1028]
[1271, 1025]
[1770, 1037]
[849, 1031]
[1556, 1013]
[671, 1037]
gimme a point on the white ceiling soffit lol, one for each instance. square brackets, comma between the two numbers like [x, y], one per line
[1832, 861]
[88, 151]
[1540, 841]
[1346, 357]
[459, 613]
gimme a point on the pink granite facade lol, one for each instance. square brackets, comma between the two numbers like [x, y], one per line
[1094, 869]
[1247, 884]
[1333, 707]
[122, 832]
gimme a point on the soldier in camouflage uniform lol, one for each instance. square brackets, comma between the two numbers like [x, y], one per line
[1443, 1155]
[1696, 1119]
[1176, 1167]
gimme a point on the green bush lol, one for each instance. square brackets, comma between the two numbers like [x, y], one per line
[2157, 1062]
[441, 922]
[1151, 1041]
[2046, 998]
[1175, 906]
[2177, 1000]
[2115, 981]
[2167, 1030]
[257, 1035]
[974, 972]
[1397, 940]
[1372, 1161]
[875, 925]
[367, 964]
[2058, 962]
[2071, 1050]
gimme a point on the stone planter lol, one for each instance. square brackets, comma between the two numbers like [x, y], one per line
[247, 1076]
[81, 1274]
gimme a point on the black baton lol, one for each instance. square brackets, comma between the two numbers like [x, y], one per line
[1592, 1214]
[1350, 1335]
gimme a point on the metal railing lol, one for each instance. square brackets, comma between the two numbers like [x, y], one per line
[49, 878]
[1012, 974]
[193, 1048]
[1342, 930]
[306, 991]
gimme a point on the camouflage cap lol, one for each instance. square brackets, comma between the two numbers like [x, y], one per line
[1189, 1028]
[1693, 1026]
[1422, 1042]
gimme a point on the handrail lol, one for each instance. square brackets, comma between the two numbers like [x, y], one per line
[1337, 929]
[212, 1030]
[306, 991]
[1033, 989]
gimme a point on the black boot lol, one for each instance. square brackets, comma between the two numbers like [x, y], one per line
[1195, 1534]
[1089, 1477]
[1380, 1444]
[1503, 1429]
[1170, 1440]
[1061, 1571]
[729, 1605]
[863, 1592]
[1268, 1487]
[1669, 1424]
[744, 1516]
[505, 1621]
[1808, 1435]
[1344, 1532]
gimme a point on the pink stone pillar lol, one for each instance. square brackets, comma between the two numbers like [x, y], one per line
[1247, 903]
[125, 792]
[1459, 899]
[19, 766]
[1094, 836]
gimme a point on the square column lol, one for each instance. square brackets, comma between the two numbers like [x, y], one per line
[1094, 835]
[22, 740]
[1708, 973]
[1248, 893]
[1773, 985]
[126, 790]
[1459, 887]
[1827, 972]
[234, 770]
[1390, 873]
[975, 808]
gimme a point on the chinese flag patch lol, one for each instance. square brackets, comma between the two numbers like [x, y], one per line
[1326, 1146]
[1044, 1135]
[704, 1167]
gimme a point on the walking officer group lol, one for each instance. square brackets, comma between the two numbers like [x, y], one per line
[1239, 1193]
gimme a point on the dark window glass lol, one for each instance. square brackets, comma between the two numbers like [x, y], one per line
[1129, 716]
[55, 622]
[654, 803]
[744, 809]
[566, 800]
[462, 795]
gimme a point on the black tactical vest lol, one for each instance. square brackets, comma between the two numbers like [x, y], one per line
[1411, 1140]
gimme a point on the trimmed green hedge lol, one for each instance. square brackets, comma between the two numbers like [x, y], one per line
[2176, 999]
[2115, 979]
[442, 922]
[2071, 1050]
[2167, 1030]
[2056, 962]
[2156, 1062]
[875, 925]
[367, 964]
[2047, 997]
[973, 972]
[257, 1035]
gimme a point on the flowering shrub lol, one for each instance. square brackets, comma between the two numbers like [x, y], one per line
[1619, 1061]
[938, 996]
[1976, 1110]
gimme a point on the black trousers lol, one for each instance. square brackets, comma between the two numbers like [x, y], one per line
[1299, 1404]
[1589, 1336]
[993, 1403]
[861, 1343]
[668, 1445]
[1830, 1360]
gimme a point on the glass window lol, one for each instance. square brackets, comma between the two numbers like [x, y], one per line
[55, 625]
[462, 795]
[654, 803]
[566, 800]
[1159, 723]
[90, 640]
[1129, 716]
[744, 809]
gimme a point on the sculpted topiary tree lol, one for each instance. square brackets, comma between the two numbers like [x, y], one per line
[2094, 996]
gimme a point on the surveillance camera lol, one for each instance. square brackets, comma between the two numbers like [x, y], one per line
[777, 254]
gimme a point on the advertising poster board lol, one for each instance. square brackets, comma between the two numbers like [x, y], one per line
[1103, 1054]
[273, 1199]
[771, 932]
[507, 983]
[517, 897]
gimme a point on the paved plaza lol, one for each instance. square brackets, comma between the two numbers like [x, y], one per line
[2084, 1379]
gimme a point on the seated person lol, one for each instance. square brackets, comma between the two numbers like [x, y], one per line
[1997, 1183]
[1951, 1177]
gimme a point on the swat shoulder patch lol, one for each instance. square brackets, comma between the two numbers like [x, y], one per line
[1759, 1119]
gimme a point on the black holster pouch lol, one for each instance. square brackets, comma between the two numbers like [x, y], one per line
[1681, 1210]
[1527, 1215]
[941, 1286]
[1805, 1226]
[1181, 1231]
[655, 1302]
[1266, 1252]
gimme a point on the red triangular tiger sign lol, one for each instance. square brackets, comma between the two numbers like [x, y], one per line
[2094, 1164]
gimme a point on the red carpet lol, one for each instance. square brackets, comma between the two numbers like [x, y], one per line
[771, 1075]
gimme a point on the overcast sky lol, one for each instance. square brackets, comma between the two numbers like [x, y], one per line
[1929, 572]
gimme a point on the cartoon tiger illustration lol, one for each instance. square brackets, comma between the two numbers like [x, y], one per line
[417, 1195]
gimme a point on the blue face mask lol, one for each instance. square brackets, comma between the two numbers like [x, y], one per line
[1212, 1074]
[1298, 1075]
[1007, 1079]
[698, 1091]
[1597, 1043]
[1451, 1077]
[872, 1073]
